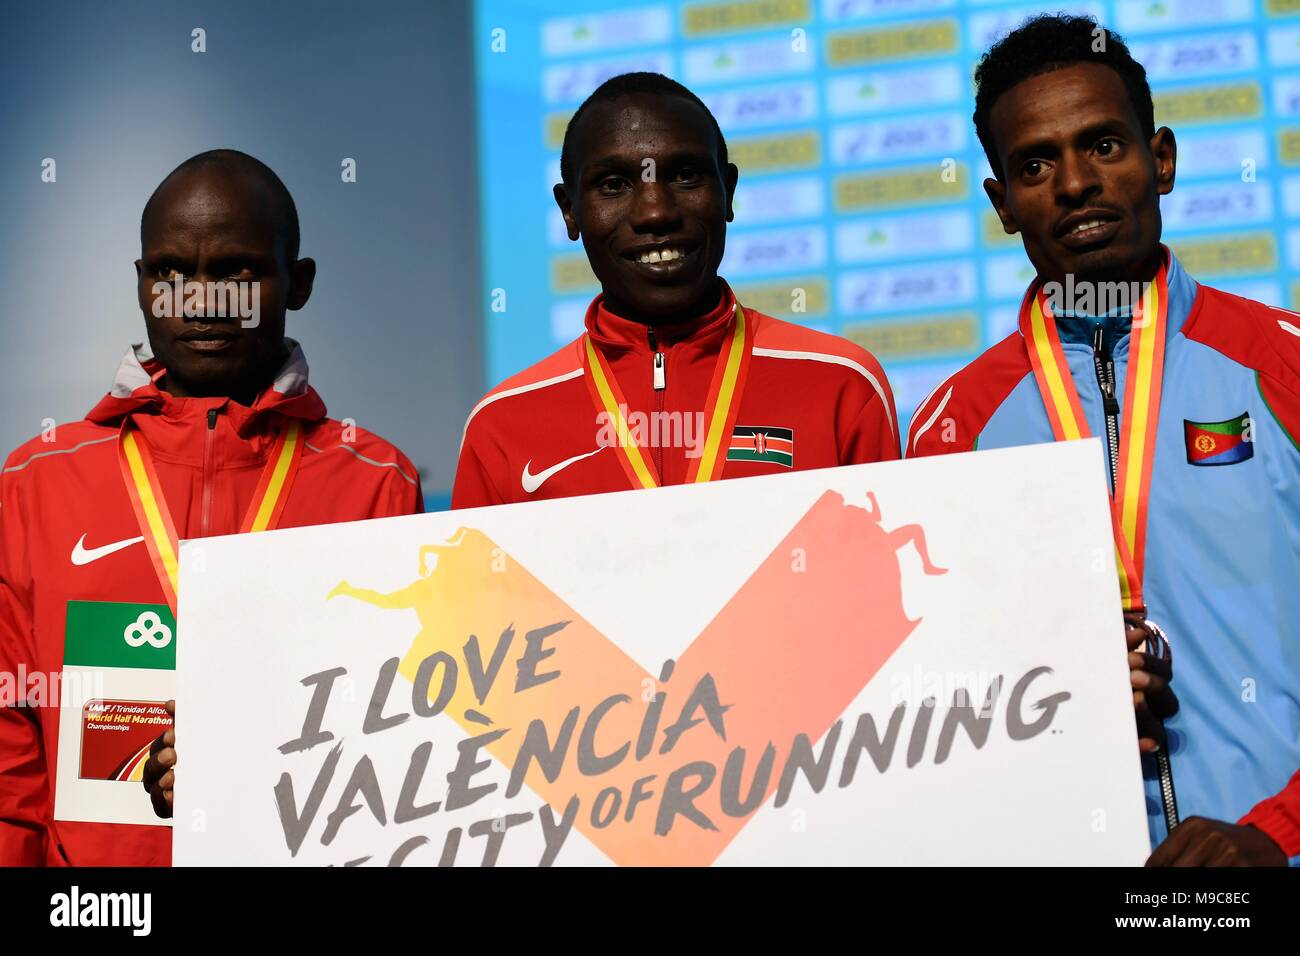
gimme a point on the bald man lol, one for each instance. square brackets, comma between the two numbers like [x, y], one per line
[210, 429]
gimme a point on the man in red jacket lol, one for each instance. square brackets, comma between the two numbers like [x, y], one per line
[674, 381]
[212, 429]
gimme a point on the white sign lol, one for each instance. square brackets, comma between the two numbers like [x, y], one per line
[914, 662]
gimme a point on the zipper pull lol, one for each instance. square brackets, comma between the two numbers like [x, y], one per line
[1110, 402]
[659, 376]
[212, 418]
[1106, 365]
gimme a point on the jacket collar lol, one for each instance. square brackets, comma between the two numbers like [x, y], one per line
[135, 390]
[614, 333]
[1079, 328]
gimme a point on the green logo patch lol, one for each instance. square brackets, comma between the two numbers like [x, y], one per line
[118, 634]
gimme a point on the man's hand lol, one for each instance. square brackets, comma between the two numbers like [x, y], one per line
[1198, 841]
[1150, 676]
[160, 769]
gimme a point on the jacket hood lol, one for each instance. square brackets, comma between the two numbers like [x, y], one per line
[135, 391]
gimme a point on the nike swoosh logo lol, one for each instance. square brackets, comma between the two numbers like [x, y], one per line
[532, 482]
[83, 555]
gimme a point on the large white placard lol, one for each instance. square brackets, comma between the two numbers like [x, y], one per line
[914, 662]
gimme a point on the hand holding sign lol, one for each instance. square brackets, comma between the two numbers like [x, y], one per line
[159, 769]
[1153, 699]
[1201, 842]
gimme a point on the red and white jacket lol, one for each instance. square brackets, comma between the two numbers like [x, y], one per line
[537, 435]
[63, 503]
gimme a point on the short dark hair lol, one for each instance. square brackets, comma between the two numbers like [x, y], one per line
[630, 84]
[235, 163]
[1049, 42]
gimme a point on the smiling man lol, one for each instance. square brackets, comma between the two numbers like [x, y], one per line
[674, 380]
[211, 429]
[1196, 394]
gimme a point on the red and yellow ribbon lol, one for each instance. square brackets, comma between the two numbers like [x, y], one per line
[720, 410]
[1139, 420]
[154, 517]
[277, 478]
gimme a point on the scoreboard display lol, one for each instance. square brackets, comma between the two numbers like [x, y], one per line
[860, 209]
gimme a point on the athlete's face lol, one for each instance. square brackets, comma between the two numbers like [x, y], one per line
[1081, 184]
[651, 204]
[214, 226]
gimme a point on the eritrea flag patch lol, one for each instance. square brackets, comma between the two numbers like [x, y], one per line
[762, 443]
[1219, 443]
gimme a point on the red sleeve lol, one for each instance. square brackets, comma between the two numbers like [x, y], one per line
[872, 434]
[405, 496]
[1284, 403]
[474, 486]
[387, 486]
[950, 419]
[1261, 337]
[24, 778]
[1279, 817]
[934, 430]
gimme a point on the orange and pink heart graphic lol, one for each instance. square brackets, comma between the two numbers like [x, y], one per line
[787, 655]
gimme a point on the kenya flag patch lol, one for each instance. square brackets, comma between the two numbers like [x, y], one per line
[762, 443]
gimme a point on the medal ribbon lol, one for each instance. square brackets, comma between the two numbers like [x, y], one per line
[720, 410]
[154, 517]
[1141, 413]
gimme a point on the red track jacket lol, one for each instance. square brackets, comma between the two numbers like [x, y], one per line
[63, 502]
[811, 400]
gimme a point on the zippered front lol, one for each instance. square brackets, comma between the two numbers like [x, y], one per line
[1104, 365]
[209, 453]
[659, 373]
[1103, 362]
